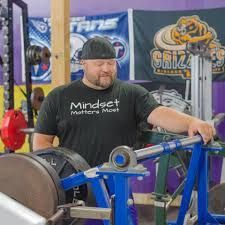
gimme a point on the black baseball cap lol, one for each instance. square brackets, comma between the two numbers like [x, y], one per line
[98, 48]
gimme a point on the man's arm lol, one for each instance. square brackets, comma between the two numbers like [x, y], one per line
[178, 122]
[46, 126]
[41, 141]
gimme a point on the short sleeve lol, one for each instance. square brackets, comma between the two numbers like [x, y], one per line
[145, 103]
[47, 117]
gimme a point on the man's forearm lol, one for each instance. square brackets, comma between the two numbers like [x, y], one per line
[41, 141]
[170, 119]
[41, 146]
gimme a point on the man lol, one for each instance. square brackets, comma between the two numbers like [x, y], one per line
[98, 113]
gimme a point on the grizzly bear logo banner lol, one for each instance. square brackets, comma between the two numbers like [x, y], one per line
[161, 39]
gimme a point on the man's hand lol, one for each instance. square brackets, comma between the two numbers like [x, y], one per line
[206, 130]
[177, 122]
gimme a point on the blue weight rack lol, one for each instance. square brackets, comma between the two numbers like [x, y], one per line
[123, 164]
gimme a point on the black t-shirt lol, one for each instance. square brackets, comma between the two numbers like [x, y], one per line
[93, 122]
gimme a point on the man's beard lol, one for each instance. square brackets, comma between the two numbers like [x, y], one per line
[103, 82]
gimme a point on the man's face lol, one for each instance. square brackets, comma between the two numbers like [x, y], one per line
[100, 73]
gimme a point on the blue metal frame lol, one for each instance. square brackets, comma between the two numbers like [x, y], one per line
[192, 171]
[118, 184]
[198, 169]
[122, 190]
[98, 187]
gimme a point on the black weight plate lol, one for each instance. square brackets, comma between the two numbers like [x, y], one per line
[26, 180]
[67, 162]
[33, 54]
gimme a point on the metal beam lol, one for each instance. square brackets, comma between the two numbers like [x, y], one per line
[90, 212]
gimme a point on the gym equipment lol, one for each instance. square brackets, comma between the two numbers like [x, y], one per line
[6, 14]
[11, 134]
[31, 181]
[14, 129]
[201, 74]
[198, 167]
[172, 99]
[7, 19]
[123, 165]
[67, 162]
[37, 97]
[178, 161]
[12, 212]
[163, 200]
[14, 126]
[37, 55]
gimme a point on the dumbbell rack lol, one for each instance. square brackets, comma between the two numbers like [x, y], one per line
[123, 165]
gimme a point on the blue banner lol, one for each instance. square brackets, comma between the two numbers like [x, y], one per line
[112, 26]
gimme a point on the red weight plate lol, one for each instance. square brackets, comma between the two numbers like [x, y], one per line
[11, 134]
